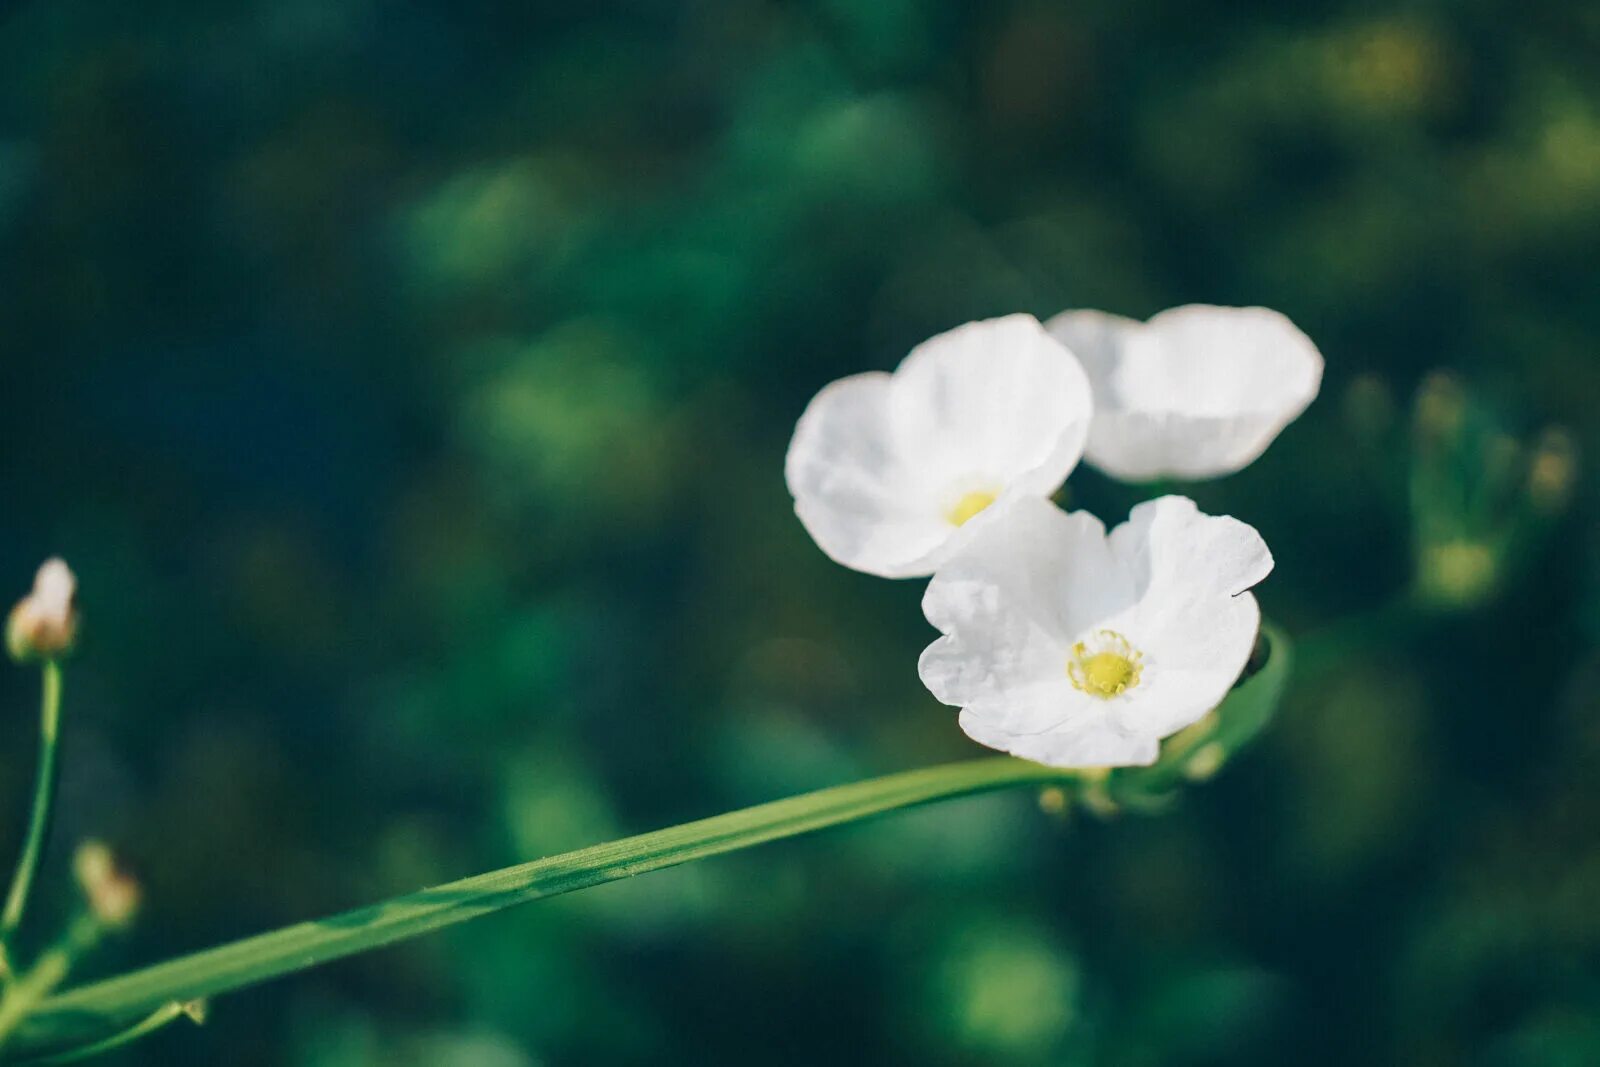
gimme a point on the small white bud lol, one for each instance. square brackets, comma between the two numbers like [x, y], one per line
[44, 624]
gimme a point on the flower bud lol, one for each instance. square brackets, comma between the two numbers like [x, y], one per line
[113, 895]
[1053, 800]
[1441, 408]
[1206, 762]
[44, 624]
[1458, 573]
[1552, 471]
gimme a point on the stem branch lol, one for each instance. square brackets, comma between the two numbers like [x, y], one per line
[23, 995]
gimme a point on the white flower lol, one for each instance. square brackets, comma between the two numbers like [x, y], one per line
[1075, 649]
[44, 624]
[886, 470]
[1196, 392]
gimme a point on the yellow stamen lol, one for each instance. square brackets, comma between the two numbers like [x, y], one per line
[1113, 668]
[970, 505]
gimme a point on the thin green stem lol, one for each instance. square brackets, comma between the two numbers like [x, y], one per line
[162, 1016]
[112, 1007]
[44, 795]
[294, 948]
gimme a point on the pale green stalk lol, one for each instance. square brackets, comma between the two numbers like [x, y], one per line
[40, 980]
[61, 1024]
[162, 1016]
[295, 948]
[44, 793]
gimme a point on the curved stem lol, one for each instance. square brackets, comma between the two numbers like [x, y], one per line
[44, 795]
[115, 1004]
[162, 1016]
[294, 948]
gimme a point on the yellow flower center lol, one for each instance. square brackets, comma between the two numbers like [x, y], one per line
[1106, 666]
[969, 505]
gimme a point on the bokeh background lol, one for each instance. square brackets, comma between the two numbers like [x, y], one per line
[409, 384]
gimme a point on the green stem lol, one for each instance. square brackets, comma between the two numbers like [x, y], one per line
[44, 795]
[60, 1024]
[23, 995]
[162, 1016]
[294, 948]
[111, 1006]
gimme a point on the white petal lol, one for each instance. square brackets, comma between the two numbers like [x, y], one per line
[1142, 446]
[1043, 705]
[997, 401]
[1177, 552]
[1011, 603]
[1195, 623]
[1205, 360]
[879, 461]
[1098, 745]
[1096, 338]
[1197, 392]
[851, 490]
[1193, 658]
[54, 588]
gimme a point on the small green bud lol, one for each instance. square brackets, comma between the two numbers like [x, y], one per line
[44, 624]
[1441, 407]
[1459, 573]
[1552, 471]
[1206, 762]
[113, 895]
[1053, 800]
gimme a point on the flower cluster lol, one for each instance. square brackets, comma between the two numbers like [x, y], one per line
[1062, 643]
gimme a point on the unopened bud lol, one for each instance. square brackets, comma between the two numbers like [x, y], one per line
[1206, 762]
[112, 893]
[1053, 800]
[1458, 574]
[1441, 407]
[1552, 471]
[44, 624]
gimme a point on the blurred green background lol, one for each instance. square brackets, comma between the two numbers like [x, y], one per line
[409, 384]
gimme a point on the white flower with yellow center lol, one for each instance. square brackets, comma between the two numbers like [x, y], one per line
[1076, 649]
[1196, 392]
[893, 473]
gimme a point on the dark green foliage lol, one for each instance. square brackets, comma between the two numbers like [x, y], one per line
[409, 385]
